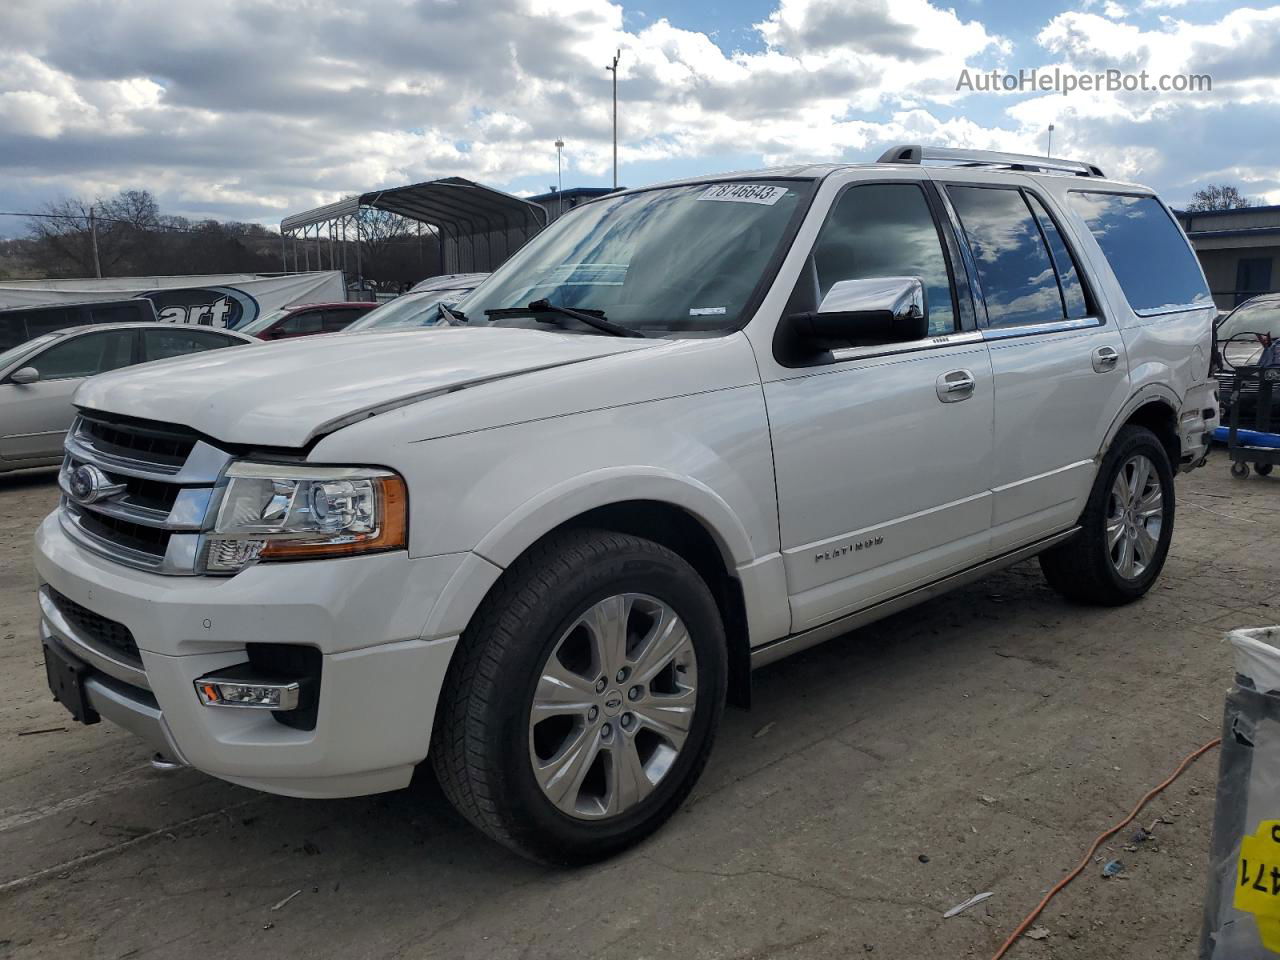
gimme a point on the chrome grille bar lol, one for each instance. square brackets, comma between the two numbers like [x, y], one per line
[153, 513]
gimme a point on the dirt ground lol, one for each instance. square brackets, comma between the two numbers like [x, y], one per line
[975, 744]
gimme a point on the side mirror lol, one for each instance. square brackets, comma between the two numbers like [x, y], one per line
[24, 375]
[871, 311]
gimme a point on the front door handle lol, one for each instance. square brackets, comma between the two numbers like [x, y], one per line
[1105, 359]
[956, 385]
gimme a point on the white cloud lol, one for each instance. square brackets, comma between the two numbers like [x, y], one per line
[252, 107]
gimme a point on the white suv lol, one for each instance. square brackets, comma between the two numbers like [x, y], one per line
[686, 431]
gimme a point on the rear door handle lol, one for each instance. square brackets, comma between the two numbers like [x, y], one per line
[955, 385]
[1105, 359]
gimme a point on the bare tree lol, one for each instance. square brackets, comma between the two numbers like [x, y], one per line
[1216, 196]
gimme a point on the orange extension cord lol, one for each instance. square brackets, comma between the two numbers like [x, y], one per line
[1102, 838]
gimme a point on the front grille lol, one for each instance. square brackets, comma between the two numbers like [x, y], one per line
[160, 494]
[134, 536]
[141, 440]
[97, 628]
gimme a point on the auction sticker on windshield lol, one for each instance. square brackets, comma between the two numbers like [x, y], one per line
[763, 193]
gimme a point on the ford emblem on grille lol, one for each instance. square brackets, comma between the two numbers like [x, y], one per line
[88, 484]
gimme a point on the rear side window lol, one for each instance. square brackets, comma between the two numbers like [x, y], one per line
[308, 321]
[1073, 297]
[335, 320]
[180, 341]
[1149, 256]
[1018, 280]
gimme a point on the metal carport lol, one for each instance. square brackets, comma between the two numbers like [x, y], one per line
[477, 227]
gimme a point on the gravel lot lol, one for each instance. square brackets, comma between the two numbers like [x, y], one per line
[977, 743]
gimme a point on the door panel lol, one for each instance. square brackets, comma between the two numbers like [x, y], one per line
[37, 415]
[36, 418]
[881, 452]
[1052, 409]
[881, 485]
[1060, 372]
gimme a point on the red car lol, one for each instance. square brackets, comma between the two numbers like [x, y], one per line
[305, 319]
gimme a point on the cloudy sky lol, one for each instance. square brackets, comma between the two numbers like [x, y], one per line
[252, 109]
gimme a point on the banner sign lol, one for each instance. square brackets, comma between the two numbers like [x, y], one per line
[228, 301]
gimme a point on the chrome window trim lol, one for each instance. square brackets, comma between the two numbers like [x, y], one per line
[1032, 329]
[915, 346]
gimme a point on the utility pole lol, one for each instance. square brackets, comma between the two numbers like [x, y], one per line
[613, 68]
[93, 239]
[559, 182]
[1048, 150]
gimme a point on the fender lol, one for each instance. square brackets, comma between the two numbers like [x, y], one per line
[1158, 392]
[558, 504]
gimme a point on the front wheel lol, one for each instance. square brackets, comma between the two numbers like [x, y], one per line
[1264, 469]
[582, 702]
[1240, 470]
[1125, 528]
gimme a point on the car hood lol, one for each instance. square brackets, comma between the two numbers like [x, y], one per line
[288, 393]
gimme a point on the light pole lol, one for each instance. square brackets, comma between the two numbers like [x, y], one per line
[1048, 150]
[559, 184]
[613, 68]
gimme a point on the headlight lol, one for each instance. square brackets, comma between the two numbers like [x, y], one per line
[283, 512]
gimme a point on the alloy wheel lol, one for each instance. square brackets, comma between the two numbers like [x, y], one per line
[613, 706]
[1135, 515]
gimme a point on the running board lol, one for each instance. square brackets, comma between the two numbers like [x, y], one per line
[777, 649]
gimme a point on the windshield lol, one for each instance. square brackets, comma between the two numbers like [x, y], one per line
[14, 353]
[254, 327]
[1257, 316]
[410, 310]
[675, 260]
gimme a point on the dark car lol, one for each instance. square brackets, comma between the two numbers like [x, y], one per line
[306, 319]
[1239, 335]
[20, 324]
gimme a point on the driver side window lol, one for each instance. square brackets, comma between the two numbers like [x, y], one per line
[885, 230]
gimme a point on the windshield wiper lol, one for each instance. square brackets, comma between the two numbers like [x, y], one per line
[455, 317]
[594, 318]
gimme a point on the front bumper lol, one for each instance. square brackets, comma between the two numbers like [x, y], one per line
[380, 679]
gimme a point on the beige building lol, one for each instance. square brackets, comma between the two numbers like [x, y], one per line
[1239, 250]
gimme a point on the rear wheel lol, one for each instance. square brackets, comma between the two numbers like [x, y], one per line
[1125, 528]
[582, 703]
[1239, 469]
[1264, 469]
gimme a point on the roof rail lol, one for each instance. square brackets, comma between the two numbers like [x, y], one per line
[986, 158]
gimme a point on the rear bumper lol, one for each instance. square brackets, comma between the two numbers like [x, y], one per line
[1196, 423]
[379, 680]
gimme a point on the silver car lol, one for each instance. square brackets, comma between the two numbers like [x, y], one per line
[38, 378]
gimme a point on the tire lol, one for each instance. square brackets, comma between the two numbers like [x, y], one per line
[1091, 567]
[538, 640]
[1240, 470]
[1263, 469]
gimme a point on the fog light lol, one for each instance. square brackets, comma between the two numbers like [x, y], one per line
[231, 688]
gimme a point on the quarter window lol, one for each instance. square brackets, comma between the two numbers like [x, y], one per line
[1017, 275]
[1148, 253]
[886, 230]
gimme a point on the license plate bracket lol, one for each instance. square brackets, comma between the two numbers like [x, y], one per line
[66, 682]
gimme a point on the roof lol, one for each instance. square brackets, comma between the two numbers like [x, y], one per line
[454, 202]
[156, 325]
[60, 304]
[332, 304]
